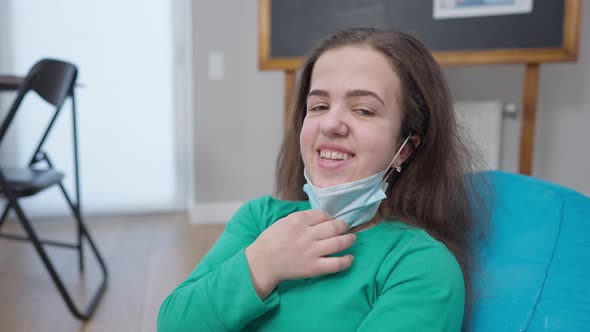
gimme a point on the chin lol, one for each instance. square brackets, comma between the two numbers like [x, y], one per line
[324, 182]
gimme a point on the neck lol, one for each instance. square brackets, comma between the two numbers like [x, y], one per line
[366, 225]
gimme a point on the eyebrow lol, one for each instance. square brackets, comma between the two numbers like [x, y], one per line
[349, 94]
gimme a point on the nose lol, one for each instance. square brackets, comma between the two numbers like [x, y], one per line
[333, 122]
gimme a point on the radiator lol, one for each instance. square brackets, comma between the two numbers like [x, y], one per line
[481, 123]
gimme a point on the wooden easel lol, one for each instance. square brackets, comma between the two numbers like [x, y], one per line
[531, 58]
[527, 125]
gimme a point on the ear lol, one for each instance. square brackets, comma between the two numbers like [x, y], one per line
[412, 144]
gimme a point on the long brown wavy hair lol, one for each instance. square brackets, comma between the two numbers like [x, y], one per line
[433, 192]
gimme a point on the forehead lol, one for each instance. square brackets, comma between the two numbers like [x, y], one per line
[355, 67]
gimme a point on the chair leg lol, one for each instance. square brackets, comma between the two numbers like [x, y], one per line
[80, 242]
[79, 221]
[4, 214]
[82, 315]
[76, 212]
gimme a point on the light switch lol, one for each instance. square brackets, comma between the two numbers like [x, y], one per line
[215, 66]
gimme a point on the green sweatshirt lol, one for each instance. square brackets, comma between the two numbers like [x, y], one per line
[401, 280]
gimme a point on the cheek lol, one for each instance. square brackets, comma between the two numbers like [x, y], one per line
[379, 148]
[306, 139]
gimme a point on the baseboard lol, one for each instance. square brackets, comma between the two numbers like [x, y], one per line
[213, 212]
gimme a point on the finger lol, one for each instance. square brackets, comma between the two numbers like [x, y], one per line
[314, 217]
[328, 229]
[334, 244]
[334, 264]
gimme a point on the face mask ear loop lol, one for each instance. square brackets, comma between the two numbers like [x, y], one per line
[389, 169]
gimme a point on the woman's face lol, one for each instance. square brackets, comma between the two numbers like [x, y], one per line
[353, 116]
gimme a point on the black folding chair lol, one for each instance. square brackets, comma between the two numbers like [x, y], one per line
[53, 81]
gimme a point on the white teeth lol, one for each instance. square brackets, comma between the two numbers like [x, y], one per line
[334, 155]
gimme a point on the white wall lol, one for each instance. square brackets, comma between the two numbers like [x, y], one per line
[125, 55]
[238, 121]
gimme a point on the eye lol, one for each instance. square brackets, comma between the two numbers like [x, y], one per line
[318, 108]
[364, 112]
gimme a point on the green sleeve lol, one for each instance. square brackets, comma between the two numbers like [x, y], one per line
[219, 295]
[424, 291]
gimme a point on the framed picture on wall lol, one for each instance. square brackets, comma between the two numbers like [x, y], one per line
[445, 9]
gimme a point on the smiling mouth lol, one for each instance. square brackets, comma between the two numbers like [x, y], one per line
[332, 156]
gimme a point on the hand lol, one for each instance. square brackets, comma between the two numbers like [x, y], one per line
[296, 247]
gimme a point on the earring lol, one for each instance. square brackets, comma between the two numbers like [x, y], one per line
[398, 169]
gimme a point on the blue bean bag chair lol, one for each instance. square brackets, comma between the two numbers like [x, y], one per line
[534, 272]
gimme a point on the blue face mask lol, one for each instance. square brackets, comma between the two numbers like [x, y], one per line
[354, 202]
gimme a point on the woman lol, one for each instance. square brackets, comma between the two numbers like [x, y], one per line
[370, 231]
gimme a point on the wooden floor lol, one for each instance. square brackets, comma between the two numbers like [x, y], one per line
[146, 256]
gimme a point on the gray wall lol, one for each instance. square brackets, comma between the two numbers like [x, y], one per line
[563, 113]
[238, 120]
[7, 150]
[5, 35]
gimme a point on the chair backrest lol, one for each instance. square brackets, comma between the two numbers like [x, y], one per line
[52, 80]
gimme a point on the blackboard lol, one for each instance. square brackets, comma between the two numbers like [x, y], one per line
[290, 28]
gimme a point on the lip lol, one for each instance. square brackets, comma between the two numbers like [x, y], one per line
[334, 164]
[335, 148]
